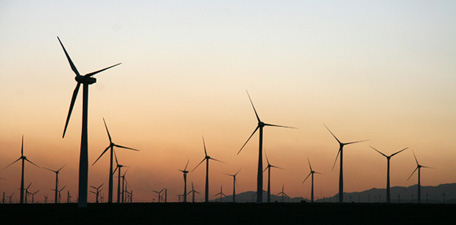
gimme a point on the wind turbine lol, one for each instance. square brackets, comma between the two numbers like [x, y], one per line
[85, 80]
[123, 186]
[234, 183]
[118, 168]
[27, 193]
[60, 192]
[97, 191]
[206, 158]
[111, 148]
[193, 191]
[341, 171]
[10, 197]
[388, 158]
[159, 194]
[418, 167]
[259, 127]
[268, 167]
[312, 172]
[282, 193]
[221, 194]
[56, 180]
[184, 172]
[23, 158]
[33, 196]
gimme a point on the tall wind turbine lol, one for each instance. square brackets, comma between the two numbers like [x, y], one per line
[56, 180]
[85, 80]
[184, 172]
[193, 192]
[268, 167]
[259, 127]
[341, 171]
[23, 158]
[234, 183]
[206, 158]
[221, 194]
[418, 167]
[111, 153]
[312, 172]
[159, 194]
[388, 158]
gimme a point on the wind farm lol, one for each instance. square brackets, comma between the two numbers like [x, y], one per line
[375, 71]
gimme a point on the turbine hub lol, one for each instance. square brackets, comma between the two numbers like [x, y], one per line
[260, 124]
[85, 79]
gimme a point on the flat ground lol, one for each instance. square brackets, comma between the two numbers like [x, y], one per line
[228, 213]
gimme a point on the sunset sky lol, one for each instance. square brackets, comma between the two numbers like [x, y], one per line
[378, 70]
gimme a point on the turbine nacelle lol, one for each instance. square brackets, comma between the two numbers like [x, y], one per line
[85, 79]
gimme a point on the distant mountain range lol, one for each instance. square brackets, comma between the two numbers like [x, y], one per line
[443, 193]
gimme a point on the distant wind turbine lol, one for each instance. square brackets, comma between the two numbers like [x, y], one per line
[282, 193]
[268, 167]
[260, 127]
[60, 193]
[33, 195]
[85, 80]
[206, 158]
[388, 158]
[23, 158]
[418, 167]
[184, 172]
[193, 192]
[159, 194]
[118, 169]
[56, 180]
[111, 153]
[341, 171]
[27, 193]
[221, 194]
[234, 183]
[97, 192]
[312, 172]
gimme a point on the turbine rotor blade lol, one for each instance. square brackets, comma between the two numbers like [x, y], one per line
[274, 125]
[204, 144]
[354, 142]
[256, 114]
[32, 163]
[198, 164]
[333, 134]
[12, 163]
[98, 71]
[22, 146]
[416, 160]
[248, 140]
[73, 67]
[109, 135]
[120, 146]
[379, 151]
[307, 177]
[73, 99]
[412, 173]
[61, 168]
[101, 155]
[337, 156]
[310, 166]
[399, 152]
[216, 160]
[185, 169]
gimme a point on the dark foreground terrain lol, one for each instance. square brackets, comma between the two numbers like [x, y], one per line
[227, 213]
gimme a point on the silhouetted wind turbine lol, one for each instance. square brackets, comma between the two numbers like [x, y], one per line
[268, 167]
[234, 183]
[56, 180]
[60, 192]
[312, 172]
[118, 168]
[10, 197]
[85, 80]
[27, 193]
[184, 172]
[221, 194]
[111, 148]
[282, 193]
[193, 191]
[97, 192]
[33, 196]
[159, 194]
[341, 171]
[23, 158]
[206, 158]
[418, 167]
[259, 127]
[388, 158]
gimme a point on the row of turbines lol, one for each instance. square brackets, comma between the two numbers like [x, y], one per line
[88, 79]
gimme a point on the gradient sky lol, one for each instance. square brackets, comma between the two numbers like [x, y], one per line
[377, 70]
